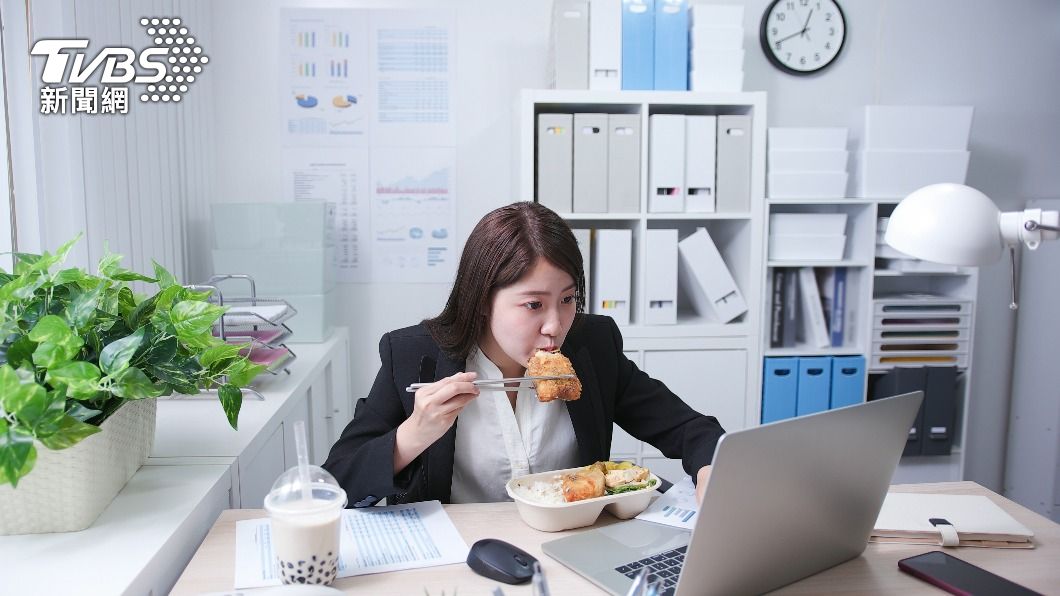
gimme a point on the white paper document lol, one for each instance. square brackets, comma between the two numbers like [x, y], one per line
[676, 507]
[374, 540]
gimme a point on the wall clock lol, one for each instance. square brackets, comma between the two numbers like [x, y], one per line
[802, 37]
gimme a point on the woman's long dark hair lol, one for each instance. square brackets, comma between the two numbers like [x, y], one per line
[503, 246]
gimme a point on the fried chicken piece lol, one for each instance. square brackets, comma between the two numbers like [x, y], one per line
[585, 484]
[545, 364]
[628, 476]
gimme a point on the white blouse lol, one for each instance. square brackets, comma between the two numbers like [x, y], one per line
[495, 444]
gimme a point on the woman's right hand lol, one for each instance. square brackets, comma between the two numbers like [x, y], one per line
[437, 406]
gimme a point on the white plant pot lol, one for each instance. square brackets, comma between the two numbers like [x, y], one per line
[68, 489]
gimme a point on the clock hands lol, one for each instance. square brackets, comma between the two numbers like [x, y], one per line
[806, 26]
[782, 40]
[800, 32]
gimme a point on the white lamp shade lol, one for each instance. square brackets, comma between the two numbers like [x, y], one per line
[947, 223]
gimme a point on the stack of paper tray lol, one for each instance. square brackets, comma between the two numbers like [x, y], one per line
[256, 322]
[920, 330]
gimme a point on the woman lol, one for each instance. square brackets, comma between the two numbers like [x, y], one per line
[519, 288]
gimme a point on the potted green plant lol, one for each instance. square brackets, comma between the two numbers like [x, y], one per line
[78, 349]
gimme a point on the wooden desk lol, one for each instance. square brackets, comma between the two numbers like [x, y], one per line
[875, 571]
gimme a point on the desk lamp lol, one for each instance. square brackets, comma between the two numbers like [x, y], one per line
[958, 225]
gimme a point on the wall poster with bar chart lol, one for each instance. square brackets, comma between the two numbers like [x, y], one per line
[366, 100]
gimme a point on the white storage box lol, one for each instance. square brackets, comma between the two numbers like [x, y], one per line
[716, 81]
[280, 271]
[807, 185]
[553, 517]
[808, 160]
[821, 224]
[917, 127]
[715, 38]
[716, 15]
[784, 137]
[301, 224]
[895, 174]
[806, 247]
[315, 318]
[721, 61]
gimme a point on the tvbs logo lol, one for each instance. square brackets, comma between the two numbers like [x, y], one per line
[119, 63]
[166, 69]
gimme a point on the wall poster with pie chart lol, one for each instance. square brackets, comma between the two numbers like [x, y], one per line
[362, 91]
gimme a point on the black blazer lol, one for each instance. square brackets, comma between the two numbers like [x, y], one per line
[614, 390]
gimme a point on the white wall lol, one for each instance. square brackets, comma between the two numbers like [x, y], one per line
[997, 56]
[137, 182]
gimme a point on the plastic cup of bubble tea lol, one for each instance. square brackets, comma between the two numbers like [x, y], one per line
[306, 524]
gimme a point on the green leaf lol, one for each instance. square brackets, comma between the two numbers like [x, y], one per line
[193, 319]
[116, 355]
[164, 299]
[22, 287]
[161, 351]
[9, 387]
[56, 342]
[69, 431]
[81, 412]
[82, 306]
[182, 376]
[24, 262]
[219, 353]
[231, 400]
[21, 351]
[132, 383]
[126, 302]
[17, 453]
[81, 379]
[32, 405]
[243, 371]
[165, 278]
[66, 276]
[109, 268]
[141, 313]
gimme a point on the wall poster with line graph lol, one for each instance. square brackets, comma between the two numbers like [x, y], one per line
[367, 123]
[413, 215]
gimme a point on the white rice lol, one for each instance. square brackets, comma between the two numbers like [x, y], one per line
[545, 491]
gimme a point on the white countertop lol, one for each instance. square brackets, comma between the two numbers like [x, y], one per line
[159, 512]
[197, 427]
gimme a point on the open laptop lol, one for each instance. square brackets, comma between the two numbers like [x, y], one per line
[784, 501]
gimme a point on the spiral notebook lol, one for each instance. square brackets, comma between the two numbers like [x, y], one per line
[948, 520]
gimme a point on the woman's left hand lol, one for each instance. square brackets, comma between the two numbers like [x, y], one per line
[701, 483]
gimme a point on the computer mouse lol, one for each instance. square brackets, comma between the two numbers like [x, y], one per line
[501, 561]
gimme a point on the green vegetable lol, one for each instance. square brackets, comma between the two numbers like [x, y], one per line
[628, 488]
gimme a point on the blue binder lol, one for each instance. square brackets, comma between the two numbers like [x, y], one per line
[671, 45]
[779, 389]
[815, 375]
[638, 44]
[848, 381]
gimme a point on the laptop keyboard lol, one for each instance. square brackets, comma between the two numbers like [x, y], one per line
[664, 567]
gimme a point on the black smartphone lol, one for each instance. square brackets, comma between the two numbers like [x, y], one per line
[958, 576]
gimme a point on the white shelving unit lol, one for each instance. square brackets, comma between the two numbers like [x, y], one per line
[866, 282]
[714, 366]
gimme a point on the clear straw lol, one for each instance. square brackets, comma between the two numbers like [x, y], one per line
[303, 459]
